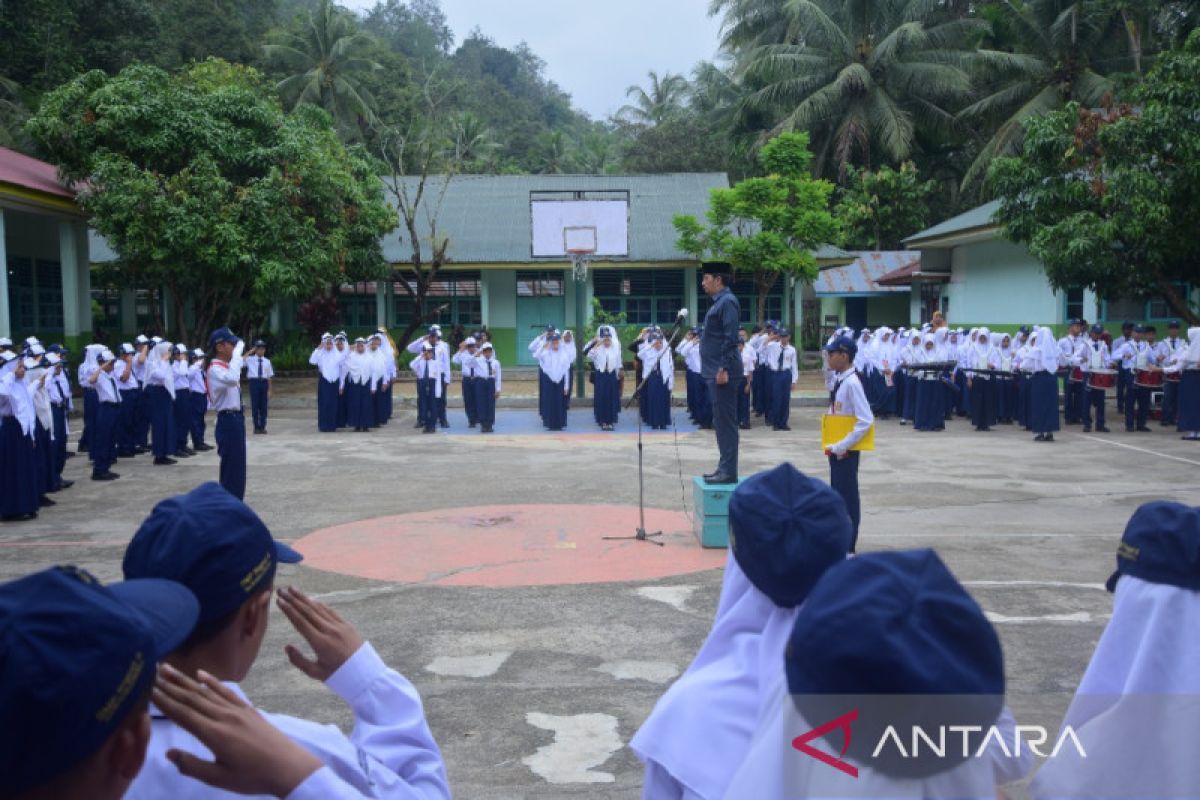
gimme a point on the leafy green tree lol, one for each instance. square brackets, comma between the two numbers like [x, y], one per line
[662, 100]
[12, 116]
[878, 209]
[861, 76]
[553, 154]
[1107, 200]
[326, 61]
[766, 226]
[205, 187]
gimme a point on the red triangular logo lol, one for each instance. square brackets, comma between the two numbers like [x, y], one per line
[842, 722]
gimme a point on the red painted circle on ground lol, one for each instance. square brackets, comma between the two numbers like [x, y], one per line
[524, 545]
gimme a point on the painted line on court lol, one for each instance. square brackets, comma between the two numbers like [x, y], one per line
[1102, 440]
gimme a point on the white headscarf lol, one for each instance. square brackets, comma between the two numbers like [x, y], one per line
[703, 725]
[1192, 359]
[607, 359]
[663, 358]
[40, 396]
[1137, 710]
[158, 364]
[1048, 350]
[18, 397]
[555, 363]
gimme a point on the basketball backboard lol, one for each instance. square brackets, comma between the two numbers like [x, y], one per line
[559, 226]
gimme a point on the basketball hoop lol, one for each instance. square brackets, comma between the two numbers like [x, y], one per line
[579, 263]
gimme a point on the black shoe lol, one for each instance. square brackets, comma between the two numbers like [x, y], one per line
[181, 454]
[105, 476]
[1087, 428]
[1102, 429]
[126, 455]
[487, 428]
[70, 454]
[83, 448]
[745, 426]
[65, 484]
[1143, 429]
[1049, 437]
[471, 424]
[1041, 437]
[139, 450]
[720, 479]
[429, 430]
[444, 423]
[164, 460]
[19, 517]
[203, 447]
[419, 425]
[46, 501]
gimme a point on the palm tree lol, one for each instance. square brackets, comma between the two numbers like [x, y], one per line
[1062, 59]
[474, 144]
[664, 99]
[860, 76]
[552, 155]
[327, 64]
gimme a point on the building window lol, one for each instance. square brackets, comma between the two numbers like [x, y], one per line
[541, 283]
[747, 294]
[454, 298]
[645, 296]
[1075, 303]
[35, 297]
[1158, 309]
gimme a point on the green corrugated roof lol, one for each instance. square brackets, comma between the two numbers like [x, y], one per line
[487, 216]
[980, 217]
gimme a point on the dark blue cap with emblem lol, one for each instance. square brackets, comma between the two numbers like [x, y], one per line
[211, 542]
[893, 623]
[75, 659]
[843, 344]
[785, 530]
[221, 335]
[1161, 544]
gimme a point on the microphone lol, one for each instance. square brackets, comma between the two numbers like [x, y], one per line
[683, 312]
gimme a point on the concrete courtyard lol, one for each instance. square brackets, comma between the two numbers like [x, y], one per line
[538, 649]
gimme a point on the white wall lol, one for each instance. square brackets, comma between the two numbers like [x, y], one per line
[999, 283]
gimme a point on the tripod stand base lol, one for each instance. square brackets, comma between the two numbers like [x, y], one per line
[640, 536]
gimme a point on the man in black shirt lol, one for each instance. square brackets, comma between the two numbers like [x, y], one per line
[721, 365]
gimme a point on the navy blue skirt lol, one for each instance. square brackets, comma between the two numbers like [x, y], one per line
[911, 382]
[1189, 401]
[554, 415]
[658, 402]
[931, 406]
[18, 474]
[1043, 402]
[607, 401]
[327, 405]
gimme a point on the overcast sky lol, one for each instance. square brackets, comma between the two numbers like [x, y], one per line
[593, 50]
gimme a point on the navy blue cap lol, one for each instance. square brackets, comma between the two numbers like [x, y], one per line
[1126, 324]
[1173, 323]
[843, 344]
[75, 659]
[1161, 544]
[783, 332]
[57, 348]
[1097, 329]
[221, 335]
[1023, 329]
[1139, 328]
[893, 623]
[211, 542]
[259, 343]
[785, 530]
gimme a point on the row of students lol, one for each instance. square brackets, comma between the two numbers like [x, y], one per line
[1001, 378]
[482, 383]
[83, 661]
[773, 377]
[354, 381]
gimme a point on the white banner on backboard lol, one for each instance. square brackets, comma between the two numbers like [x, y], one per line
[551, 217]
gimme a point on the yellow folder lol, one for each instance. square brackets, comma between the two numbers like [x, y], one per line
[834, 428]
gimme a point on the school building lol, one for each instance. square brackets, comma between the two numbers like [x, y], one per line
[976, 277]
[493, 276]
[45, 287]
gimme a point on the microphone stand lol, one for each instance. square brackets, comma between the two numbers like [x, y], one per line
[640, 535]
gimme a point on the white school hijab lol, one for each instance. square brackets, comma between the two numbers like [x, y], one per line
[703, 725]
[555, 363]
[1192, 359]
[1048, 350]
[158, 363]
[1137, 709]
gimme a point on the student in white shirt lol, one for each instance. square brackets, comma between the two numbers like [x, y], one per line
[183, 400]
[465, 358]
[220, 549]
[846, 399]
[784, 373]
[745, 383]
[698, 402]
[487, 385]
[427, 370]
[360, 388]
[441, 354]
[108, 410]
[160, 397]
[259, 375]
[225, 396]
[605, 354]
[328, 361]
[199, 401]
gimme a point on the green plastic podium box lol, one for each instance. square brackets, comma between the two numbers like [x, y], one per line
[710, 522]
